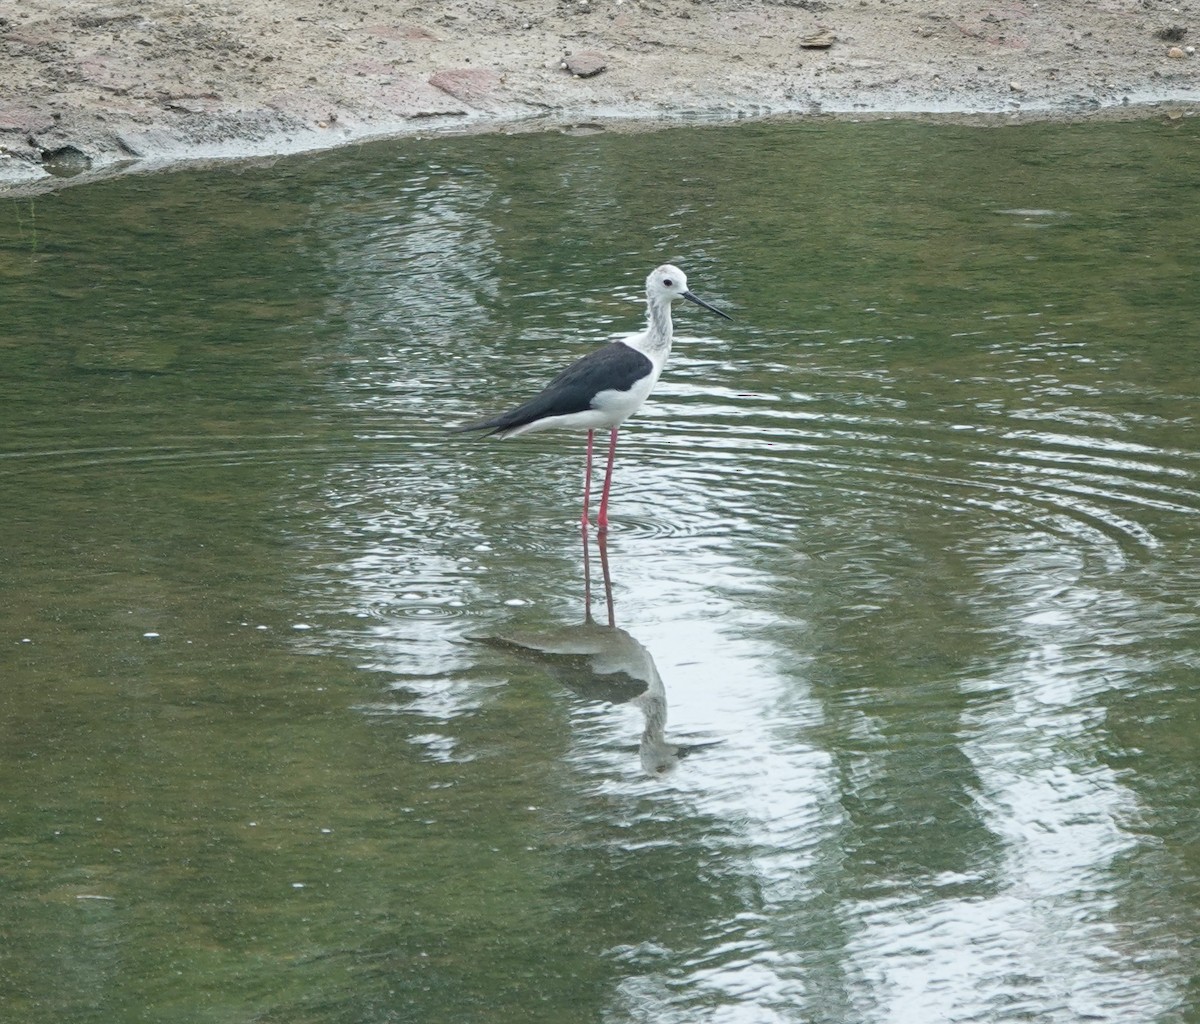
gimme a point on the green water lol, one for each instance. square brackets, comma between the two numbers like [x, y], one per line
[906, 556]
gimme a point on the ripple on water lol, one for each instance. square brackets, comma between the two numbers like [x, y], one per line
[296, 451]
[703, 464]
[733, 466]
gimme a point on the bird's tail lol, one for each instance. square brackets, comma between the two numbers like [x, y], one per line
[508, 424]
[495, 426]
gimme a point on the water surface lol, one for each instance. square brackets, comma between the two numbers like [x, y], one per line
[302, 721]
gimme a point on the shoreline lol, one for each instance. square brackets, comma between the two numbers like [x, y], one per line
[94, 90]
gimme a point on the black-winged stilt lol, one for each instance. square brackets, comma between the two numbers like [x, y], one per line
[607, 386]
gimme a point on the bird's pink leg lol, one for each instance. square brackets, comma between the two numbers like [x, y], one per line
[587, 482]
[602, 521]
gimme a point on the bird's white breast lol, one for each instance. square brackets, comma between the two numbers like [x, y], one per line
[617, 406]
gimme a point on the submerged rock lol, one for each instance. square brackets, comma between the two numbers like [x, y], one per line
[66, 161]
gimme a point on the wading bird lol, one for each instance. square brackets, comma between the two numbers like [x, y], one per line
[604, 388]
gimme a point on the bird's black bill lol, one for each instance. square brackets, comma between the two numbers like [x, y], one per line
[700, 302]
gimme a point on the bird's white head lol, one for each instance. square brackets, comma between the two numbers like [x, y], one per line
[667, 284]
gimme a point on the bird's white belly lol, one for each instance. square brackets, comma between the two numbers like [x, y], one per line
[617, 406]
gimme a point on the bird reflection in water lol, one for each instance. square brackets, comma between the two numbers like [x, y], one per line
[603, 662]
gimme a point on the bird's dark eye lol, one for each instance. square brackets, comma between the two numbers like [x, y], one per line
[668, 283]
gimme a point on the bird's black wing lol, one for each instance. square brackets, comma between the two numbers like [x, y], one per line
[615, 367]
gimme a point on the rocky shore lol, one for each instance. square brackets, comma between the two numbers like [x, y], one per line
[90, 89]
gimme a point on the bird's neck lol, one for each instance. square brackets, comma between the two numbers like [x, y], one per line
[657, 339]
